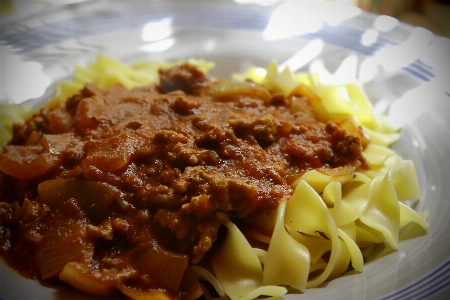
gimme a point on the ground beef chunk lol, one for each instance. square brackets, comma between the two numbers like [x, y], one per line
[187, 78]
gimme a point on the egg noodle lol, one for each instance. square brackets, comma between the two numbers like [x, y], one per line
[334, 218]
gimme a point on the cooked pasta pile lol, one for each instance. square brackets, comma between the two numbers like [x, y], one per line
[334, 218]
[342, 215]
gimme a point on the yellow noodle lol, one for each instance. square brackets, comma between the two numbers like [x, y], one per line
[345, 214]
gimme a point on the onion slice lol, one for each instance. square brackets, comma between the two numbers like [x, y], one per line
[232, 90]
[93, 197]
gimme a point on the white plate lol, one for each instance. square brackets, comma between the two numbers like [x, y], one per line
[405, 72]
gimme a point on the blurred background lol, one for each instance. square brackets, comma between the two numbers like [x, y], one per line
[430, 14]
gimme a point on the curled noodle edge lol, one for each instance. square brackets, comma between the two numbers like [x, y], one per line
[309, 246]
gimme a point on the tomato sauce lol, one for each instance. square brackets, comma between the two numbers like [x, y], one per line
[116, 186]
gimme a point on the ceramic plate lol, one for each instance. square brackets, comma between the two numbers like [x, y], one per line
[404, 70]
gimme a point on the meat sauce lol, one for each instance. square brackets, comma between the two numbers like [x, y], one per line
[128, 188]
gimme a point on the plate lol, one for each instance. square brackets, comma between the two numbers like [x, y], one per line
[404, 71]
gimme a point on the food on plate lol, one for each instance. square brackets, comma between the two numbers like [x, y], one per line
[157, 181]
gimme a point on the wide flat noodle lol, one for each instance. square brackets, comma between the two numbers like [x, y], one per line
[381, 138]
[307, 213]
[356, 256]
[318, 181]
[366, 234]
[383, 212]
[376, 155]
[408, 215]
[365, 113]
[206, 275]
[239, 270]
[287, 260]
[316, 245]
[353, 203]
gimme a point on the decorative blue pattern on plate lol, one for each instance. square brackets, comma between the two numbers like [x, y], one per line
[425, 287]
[421, 268]
[29, 39]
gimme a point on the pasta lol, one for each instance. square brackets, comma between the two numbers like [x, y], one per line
[9, 115]
[332, 220]
[337, 213]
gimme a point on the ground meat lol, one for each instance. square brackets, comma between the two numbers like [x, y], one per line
[176, 163]
[187, 78]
